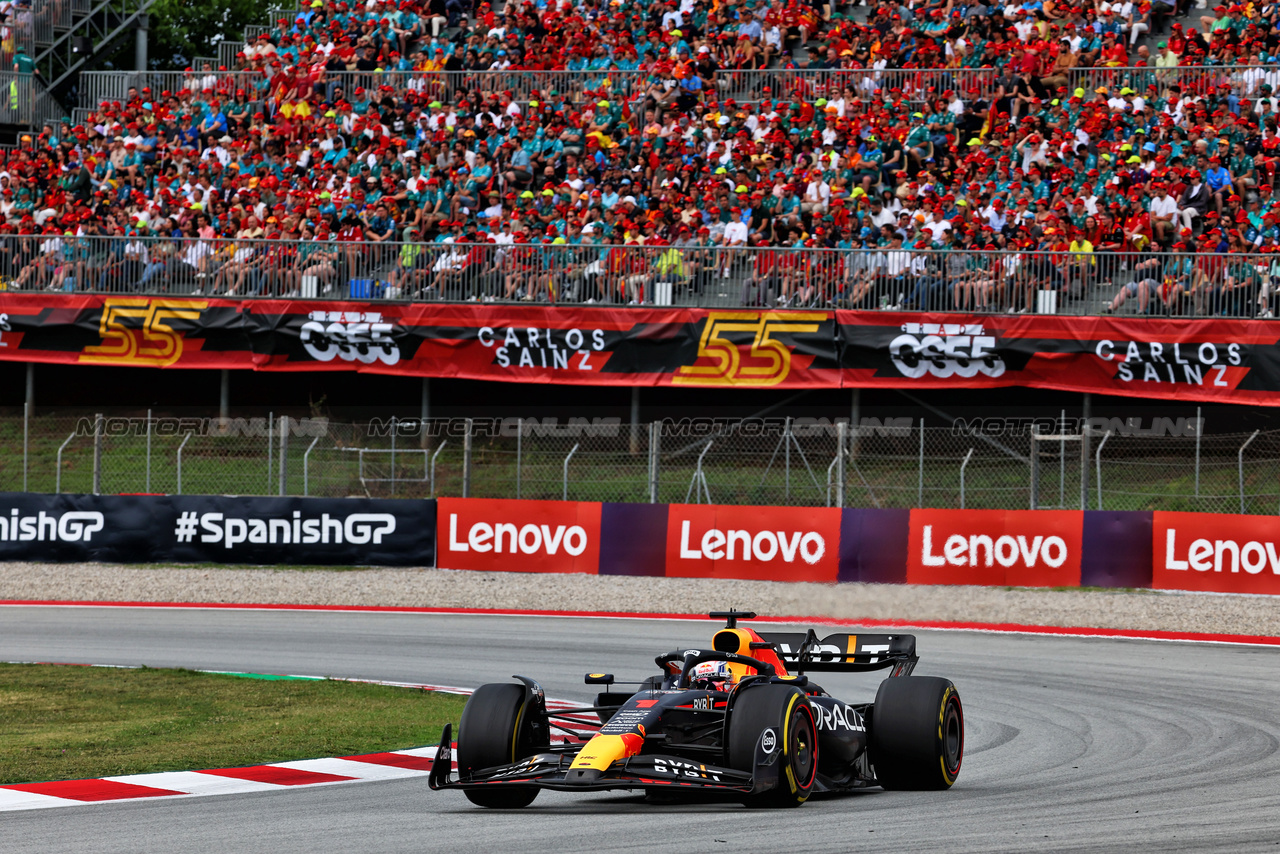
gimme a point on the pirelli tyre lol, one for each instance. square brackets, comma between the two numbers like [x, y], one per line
[497, 728]
[787, 711]
[916, 738]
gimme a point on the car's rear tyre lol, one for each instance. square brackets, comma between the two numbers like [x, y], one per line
[498, 728]
[787, 711]
[916, 738]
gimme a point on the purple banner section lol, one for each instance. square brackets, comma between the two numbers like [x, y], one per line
[633, 539]
[1116, 549]
[873, 545]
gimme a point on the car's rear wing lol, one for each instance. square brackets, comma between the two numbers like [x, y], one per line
[844, 652]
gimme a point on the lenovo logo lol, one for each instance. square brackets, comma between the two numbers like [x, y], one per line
[1203, 555]
[762, 546]
[507, 538]
[983, 550]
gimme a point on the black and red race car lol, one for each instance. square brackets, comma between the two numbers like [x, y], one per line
[758, 729]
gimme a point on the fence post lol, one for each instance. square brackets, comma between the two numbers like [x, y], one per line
[786, 456]
[394, 422]
[1087, 410]
[284, 451]
[433, 466]
[1240, 466]
[655, 442]
[26, 430]
[148, 489]
[306, 468]
[1098, 463]
[1198, 431]
[1035, 467]
[97, 454]
[271, 442]
[565, 494]
[519, 451]
[185, 439]
[466, 460]
[57, 482]
[920, 481]
[962, 467]
[841, 433]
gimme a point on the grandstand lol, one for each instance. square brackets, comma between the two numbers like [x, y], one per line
[943, 156]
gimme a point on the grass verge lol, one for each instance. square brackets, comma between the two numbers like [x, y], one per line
[68, 723]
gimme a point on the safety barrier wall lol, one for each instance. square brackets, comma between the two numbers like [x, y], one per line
[1026, 548]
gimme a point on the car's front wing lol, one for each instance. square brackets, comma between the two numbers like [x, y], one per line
[551, 771]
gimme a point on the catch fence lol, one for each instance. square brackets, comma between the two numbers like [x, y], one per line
[1168, 464]
[686, 273]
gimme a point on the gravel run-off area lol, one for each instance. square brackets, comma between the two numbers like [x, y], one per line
[437, 588]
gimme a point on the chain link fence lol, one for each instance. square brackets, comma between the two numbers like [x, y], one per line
[1105, 464]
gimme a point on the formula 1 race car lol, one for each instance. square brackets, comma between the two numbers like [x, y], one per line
[732, 720]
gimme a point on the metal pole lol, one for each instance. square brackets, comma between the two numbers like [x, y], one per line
[1035, 467]
[284, 452]
[466, 461]
[148, 489]
[26, 431]
[224, 395]
[842, 431]
[655, 443]
[31, 384]
[185, 439]
[433, 466]
[855, 419]
[393, 455]
[920, 482]
[57, 488]
[1198, 431]
[1087, 409]
[635, 420]
[425, 414]
[519, 451]
[306, 468]
[962, 467]
[565, 494]
[1097, 457]
[1240, 466]
[786, 456]
[140, 44]
[271, 441]
[97, 454]
[1062, 460]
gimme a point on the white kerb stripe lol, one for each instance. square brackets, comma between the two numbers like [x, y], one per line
[14, 800]
[350, 768]
[192, 783]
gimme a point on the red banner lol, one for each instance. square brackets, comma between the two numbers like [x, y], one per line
[499, 535]
[757, 543]
[1019, 548]
[1215, 552]
[1194, 359]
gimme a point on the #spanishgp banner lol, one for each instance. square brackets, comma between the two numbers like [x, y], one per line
[216, 529]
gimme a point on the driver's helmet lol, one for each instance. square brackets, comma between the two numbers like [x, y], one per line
[711, 676]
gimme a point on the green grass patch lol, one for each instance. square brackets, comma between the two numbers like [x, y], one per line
[67, 723]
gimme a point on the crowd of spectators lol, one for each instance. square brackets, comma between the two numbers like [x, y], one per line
[1049, 128]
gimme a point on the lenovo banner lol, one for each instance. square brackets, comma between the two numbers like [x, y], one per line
[216, 529]
[758, 543]
[1021, 548]
[1193, 359]
[502, 535]
[1215, 553]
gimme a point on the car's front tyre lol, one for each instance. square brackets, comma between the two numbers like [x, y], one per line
[498, 727]
[787, 711]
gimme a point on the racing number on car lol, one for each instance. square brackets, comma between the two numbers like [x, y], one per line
[728, 368]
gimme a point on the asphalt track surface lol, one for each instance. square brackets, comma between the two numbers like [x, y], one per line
[1071, 743]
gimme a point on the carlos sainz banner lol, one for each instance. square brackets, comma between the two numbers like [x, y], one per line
[1210, 359]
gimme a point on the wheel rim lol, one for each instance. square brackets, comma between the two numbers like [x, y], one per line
[953, 736]
[801, 747]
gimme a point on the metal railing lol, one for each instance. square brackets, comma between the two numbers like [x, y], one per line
[685, 273]
[900, 86]
[809, 462]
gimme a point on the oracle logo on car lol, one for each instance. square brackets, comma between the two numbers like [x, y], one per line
[1018, 547]
[779, 543]
[1215, 552]
[520, 536]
